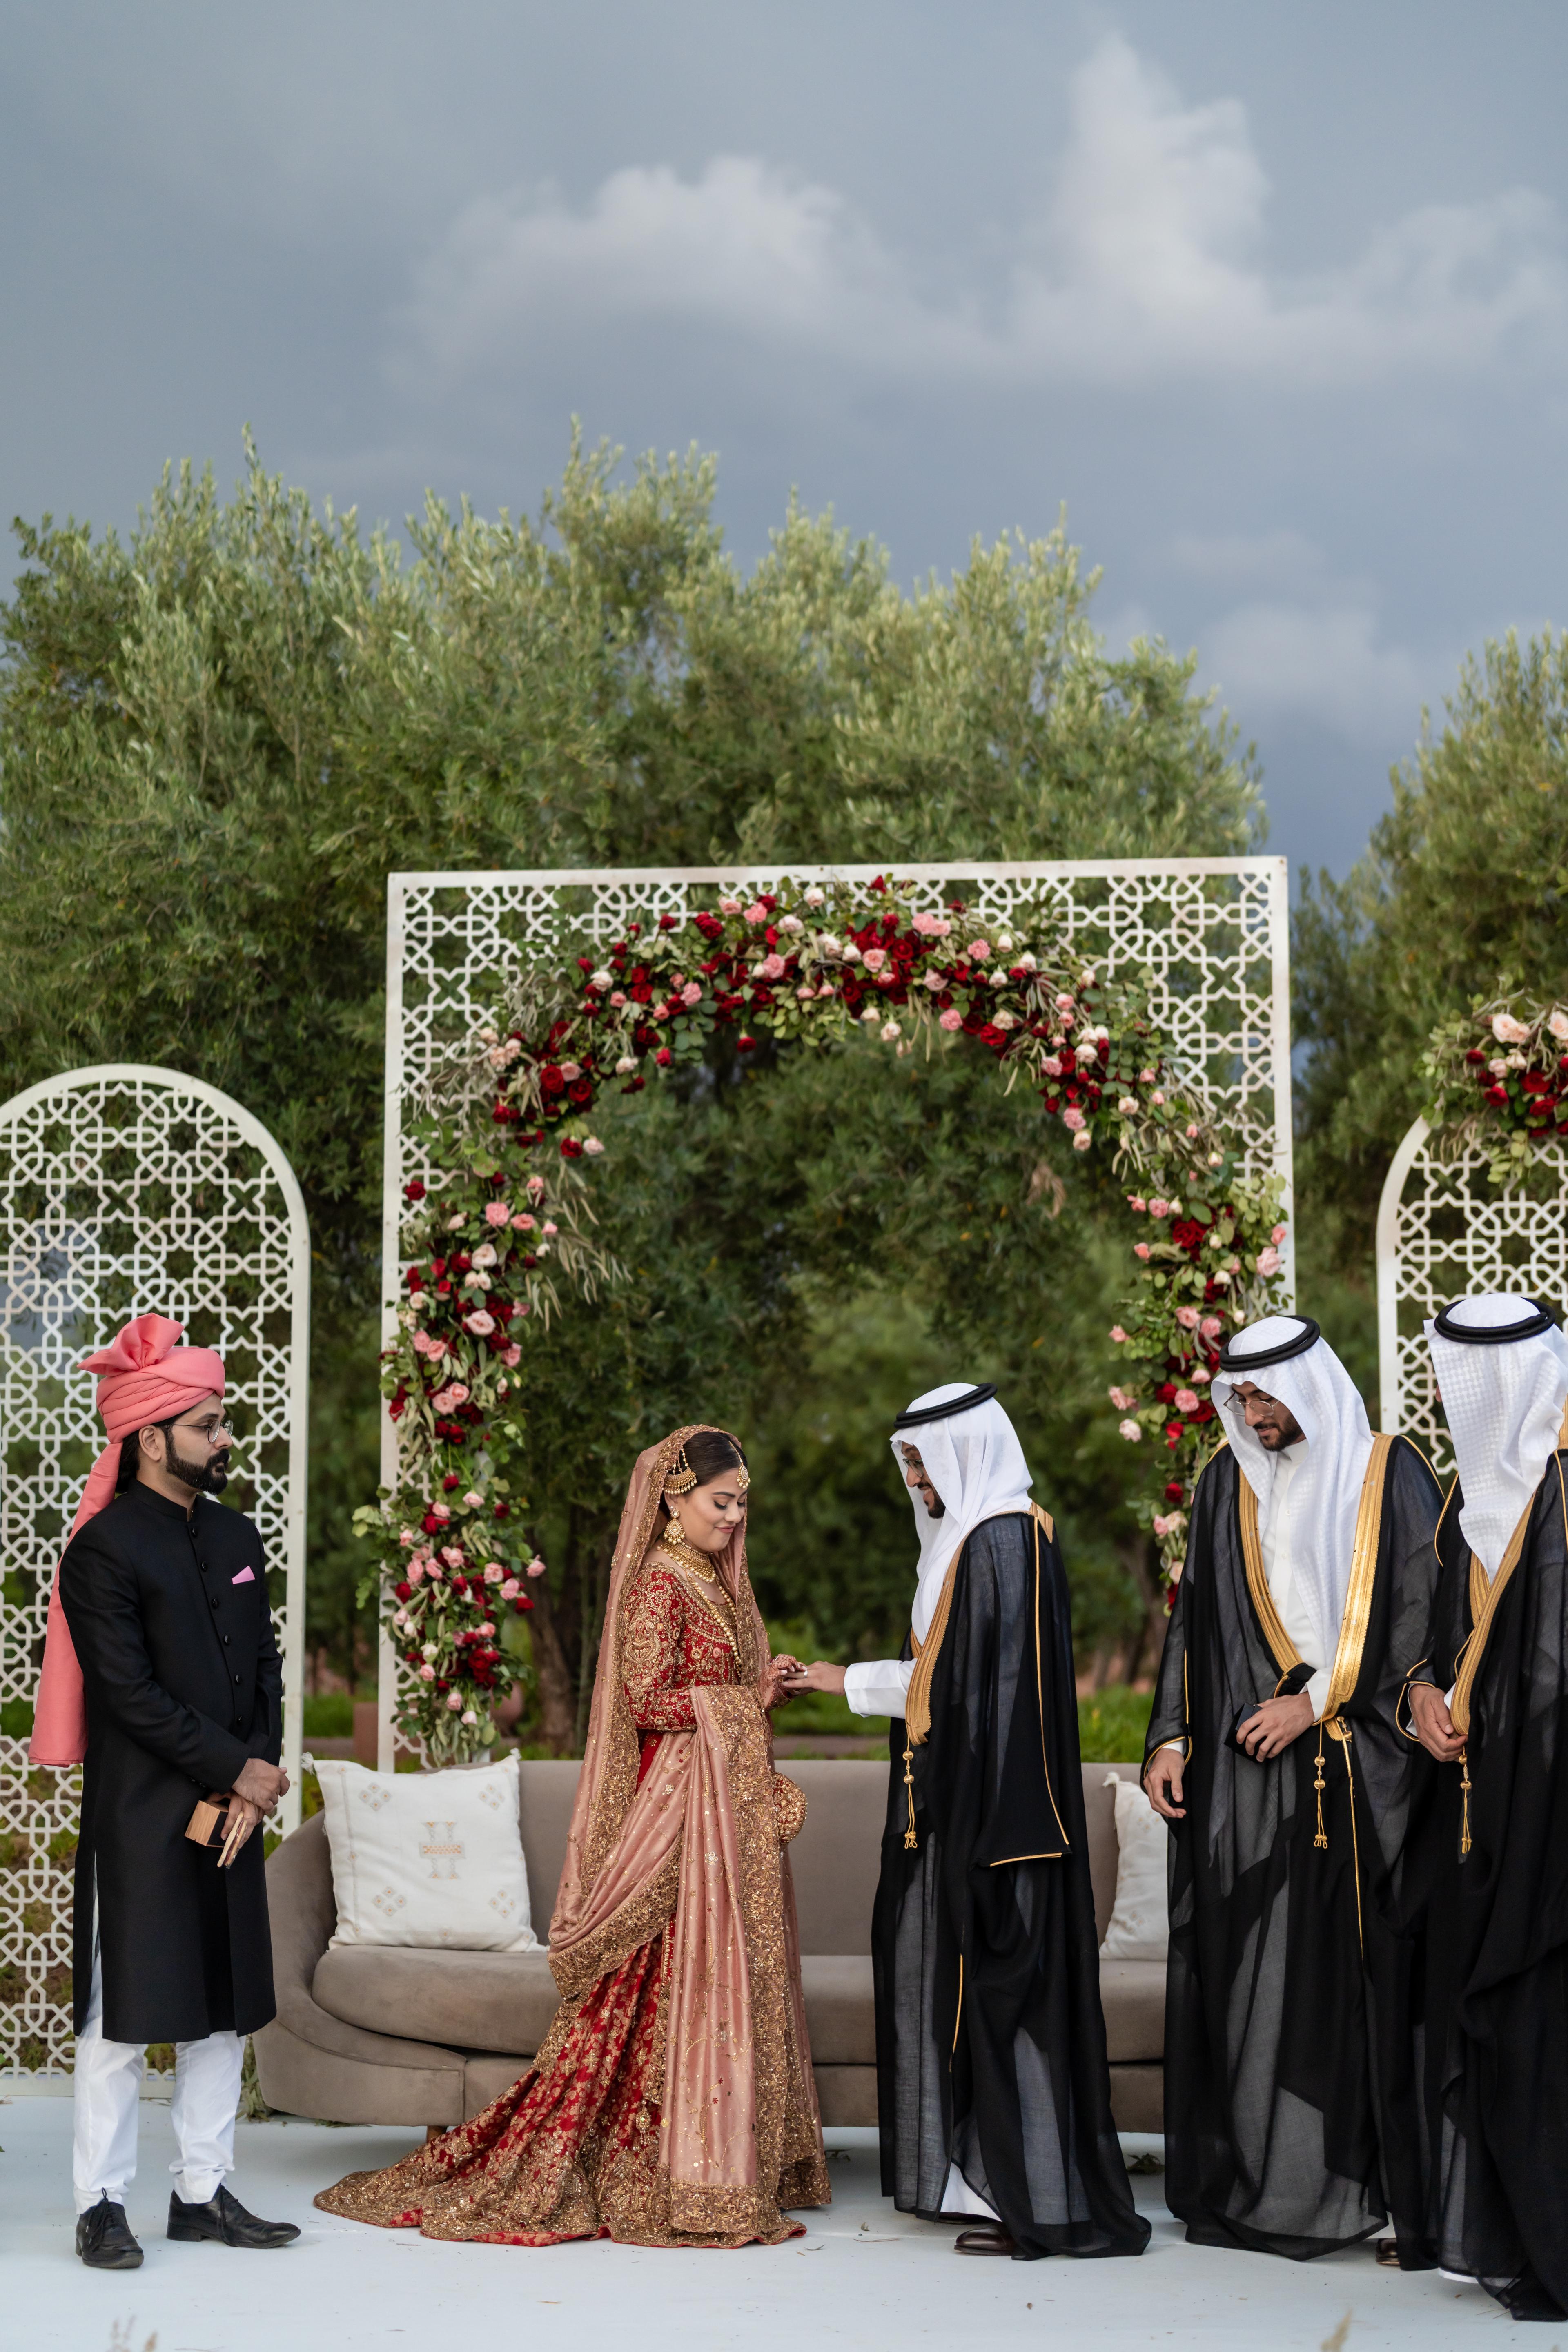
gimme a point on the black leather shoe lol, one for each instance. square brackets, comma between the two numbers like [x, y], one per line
[104, 2239]
[225, 2221]
[990, 2238]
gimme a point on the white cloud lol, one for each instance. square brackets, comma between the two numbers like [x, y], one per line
[1149, 263]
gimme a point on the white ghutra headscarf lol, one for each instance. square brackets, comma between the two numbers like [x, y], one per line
[1502, 1367]
[1325, 1493]
[975, 1463]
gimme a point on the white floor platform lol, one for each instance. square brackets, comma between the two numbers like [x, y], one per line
[863, 2276]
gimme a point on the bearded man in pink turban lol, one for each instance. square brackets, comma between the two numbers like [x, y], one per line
[162, 1676]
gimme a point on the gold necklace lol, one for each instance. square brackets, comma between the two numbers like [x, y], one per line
[678, 1541]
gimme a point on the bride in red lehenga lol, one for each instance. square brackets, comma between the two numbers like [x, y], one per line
[672, 2101]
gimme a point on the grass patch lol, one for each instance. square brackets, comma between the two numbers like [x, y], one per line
[1111, 1725]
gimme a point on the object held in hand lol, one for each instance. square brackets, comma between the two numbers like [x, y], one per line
[212, 1823]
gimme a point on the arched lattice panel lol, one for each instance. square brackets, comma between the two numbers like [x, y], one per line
[1444, 1231]
[125, 1191]
[1212, 934]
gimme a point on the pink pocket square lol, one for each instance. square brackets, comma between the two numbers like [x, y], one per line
[246, 1576]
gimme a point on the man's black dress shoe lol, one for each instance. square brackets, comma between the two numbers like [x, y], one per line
[104, 2239]
[990, 2238]
[225, 2221]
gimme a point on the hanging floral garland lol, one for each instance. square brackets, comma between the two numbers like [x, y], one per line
[1498, 1077]
[811, 964]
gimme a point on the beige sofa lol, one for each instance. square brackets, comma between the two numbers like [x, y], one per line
[372, 2035]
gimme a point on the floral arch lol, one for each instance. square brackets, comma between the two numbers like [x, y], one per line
[1145, 1002]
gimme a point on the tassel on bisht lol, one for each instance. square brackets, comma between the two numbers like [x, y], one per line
[1322, 1837]
[912, 1841]
[1464, 1803]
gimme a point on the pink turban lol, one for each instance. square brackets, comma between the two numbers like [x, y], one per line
[143, 1376]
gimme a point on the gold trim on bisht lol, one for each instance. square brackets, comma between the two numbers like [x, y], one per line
[917, 1700]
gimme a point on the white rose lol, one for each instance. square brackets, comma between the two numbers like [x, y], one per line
[815, 897]
[625, 1066]
[485, 1254]
[892, 1032]
[1130, 1430]
[1508, 1031]
[1558, 1024]
[603, 978]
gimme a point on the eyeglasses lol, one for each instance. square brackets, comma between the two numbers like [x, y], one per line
[211, 1430]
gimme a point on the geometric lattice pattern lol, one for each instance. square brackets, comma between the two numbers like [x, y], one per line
[1211, 935]
[125, 1191]
[1445, 1230]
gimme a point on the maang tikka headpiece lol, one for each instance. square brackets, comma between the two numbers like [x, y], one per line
[683, 1477]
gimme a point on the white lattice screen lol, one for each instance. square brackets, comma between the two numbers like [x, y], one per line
[1211, 933]
[1445, 1230]
[126, 1191]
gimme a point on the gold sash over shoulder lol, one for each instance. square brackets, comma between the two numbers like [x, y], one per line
[917, 1705]
[1358, 1594]
[1486, 1594]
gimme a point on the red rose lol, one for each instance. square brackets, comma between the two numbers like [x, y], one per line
[521, 1602]
[1175, 1491]
[430, 1524]
[414, 1190]
[581, 1091]
[450, 1481]
[1496, 1094]
[403, 1591]
[551, 1078]
[501, 1511]
[570, 1148]
[664, 1057]
[744, 1044]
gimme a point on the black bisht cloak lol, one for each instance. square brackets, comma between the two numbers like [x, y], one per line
[1497, 1915]
[183, 1686]
[990, 2037]
[1293, 2079]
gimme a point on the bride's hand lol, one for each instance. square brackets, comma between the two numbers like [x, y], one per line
[781, 1673]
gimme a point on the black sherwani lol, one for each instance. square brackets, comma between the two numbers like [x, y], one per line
[183, 1686]
[990, 2036]
[1497, 1920]
[1293, 2081]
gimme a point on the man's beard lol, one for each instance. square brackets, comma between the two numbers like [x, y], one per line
[208, 1477]
[935, 1507]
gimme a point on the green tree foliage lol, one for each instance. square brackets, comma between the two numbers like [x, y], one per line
[219, 736]
[1465, 878]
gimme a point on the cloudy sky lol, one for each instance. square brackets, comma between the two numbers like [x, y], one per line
[1275, 300]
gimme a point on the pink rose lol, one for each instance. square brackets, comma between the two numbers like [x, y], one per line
[1192, 1135]
[1051, 1065]
[617, 998]
[469, 1716]
[756, 912]
[523, 1223]
[1278, 1234]
[1073, 1119]
[875, 958]
[425, 1345]
[592, 1146]
[1064, 1004]
[497, 1212]
[454, 1701]
[416, 1572]
[1141, 1249]
[509, 1589]
[1508, 1031]
[951, 1019]
[1130, 1430]
[473, 1501]
[772, 967]
[1122, 1399]
[1199, 1372]
[1269, 1260]
[979, 951]
[439, 1511]
[1211, 1327]
[1161, 1526]
[932, 926]
[1186, 1400]
[692, 993]
[494, 1573]
[570, 1071]
[1145, 1078]
[1187, 1317]
[1136, 1203]
[536, 1566]
[536, 1189]
[452, 1555]
[806, 993]
[480, 1323]
[1119, 1336]
[511, 1357]
[728, 906]
[550, 1228]
[1159, 1208]
[426, 1674]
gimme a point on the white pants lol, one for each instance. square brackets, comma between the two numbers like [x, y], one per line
[108, 2101]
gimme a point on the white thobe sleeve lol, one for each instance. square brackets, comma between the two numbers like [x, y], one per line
[878, 1685]
[1317, 1690]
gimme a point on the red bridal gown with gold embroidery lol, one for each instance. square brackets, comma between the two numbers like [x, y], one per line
[573, 2148]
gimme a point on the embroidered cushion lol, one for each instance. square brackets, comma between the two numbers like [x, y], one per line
[432, 1860]
[1139, 1928]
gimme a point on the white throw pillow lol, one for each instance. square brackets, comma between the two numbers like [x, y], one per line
[1140, 1927]
[428, 1859]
